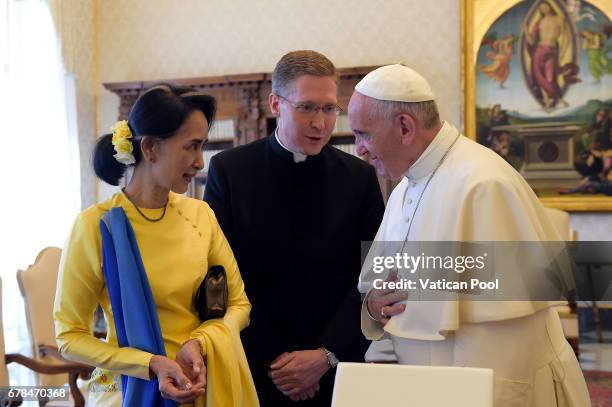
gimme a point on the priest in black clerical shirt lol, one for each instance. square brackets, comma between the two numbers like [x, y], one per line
[295, 212]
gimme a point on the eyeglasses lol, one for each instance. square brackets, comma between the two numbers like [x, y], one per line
[311, 108]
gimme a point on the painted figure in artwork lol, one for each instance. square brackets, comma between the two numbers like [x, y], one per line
[594, 163]
[498, 140]
[599, 134]
[500, 56]
[600, 53]
[549, 48]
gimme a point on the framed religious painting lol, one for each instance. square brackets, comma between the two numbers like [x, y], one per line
[537, 77]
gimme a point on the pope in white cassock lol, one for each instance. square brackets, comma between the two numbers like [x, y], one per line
[454, 189]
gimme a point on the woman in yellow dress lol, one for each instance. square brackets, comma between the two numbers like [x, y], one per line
[175, 239]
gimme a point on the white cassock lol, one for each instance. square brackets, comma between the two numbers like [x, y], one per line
[476, 196]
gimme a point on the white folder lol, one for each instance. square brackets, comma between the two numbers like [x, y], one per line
[391, 385]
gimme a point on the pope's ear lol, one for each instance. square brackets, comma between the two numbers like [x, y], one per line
[407, 127]
[273, 101]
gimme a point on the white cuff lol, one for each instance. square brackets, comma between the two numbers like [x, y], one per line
[371, 328]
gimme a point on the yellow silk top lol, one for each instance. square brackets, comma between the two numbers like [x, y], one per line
[176, 252]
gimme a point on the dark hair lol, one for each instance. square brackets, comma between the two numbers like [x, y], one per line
[159, 112]
[297, 63]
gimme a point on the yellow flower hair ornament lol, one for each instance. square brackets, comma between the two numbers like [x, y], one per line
[122, 143]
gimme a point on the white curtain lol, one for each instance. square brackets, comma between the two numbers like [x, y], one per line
[39, 166]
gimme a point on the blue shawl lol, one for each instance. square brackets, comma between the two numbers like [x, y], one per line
[136, 320]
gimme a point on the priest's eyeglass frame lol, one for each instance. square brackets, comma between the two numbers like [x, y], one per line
[311, 108]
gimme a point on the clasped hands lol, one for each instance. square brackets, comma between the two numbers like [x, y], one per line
[183, 379]
[297, 374]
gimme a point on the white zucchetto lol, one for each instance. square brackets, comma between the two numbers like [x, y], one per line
[395, 83]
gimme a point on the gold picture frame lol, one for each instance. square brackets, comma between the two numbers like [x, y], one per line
[477, 16]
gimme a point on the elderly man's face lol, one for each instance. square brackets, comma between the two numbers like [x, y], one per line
[376, 136]
[306, 132]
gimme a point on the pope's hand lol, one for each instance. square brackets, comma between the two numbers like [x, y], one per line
[297, 374]
[382, 304]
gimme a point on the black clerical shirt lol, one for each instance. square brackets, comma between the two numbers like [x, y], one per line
[296, 231]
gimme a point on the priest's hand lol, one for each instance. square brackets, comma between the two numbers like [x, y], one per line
[307, 394]
[173, 384]
[190, 359]
[382, 304]
[297, 374]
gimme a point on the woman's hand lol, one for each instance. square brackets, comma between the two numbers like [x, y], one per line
[190, 359]
[173, 384]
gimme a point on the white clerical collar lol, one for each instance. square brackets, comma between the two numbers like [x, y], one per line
[434, 152]
[297, 157]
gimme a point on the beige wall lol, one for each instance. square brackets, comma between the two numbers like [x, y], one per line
[144, 39]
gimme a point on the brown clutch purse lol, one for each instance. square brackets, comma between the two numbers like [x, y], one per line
[211, 297]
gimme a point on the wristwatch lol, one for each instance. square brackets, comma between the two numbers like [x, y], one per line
[332, 360]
